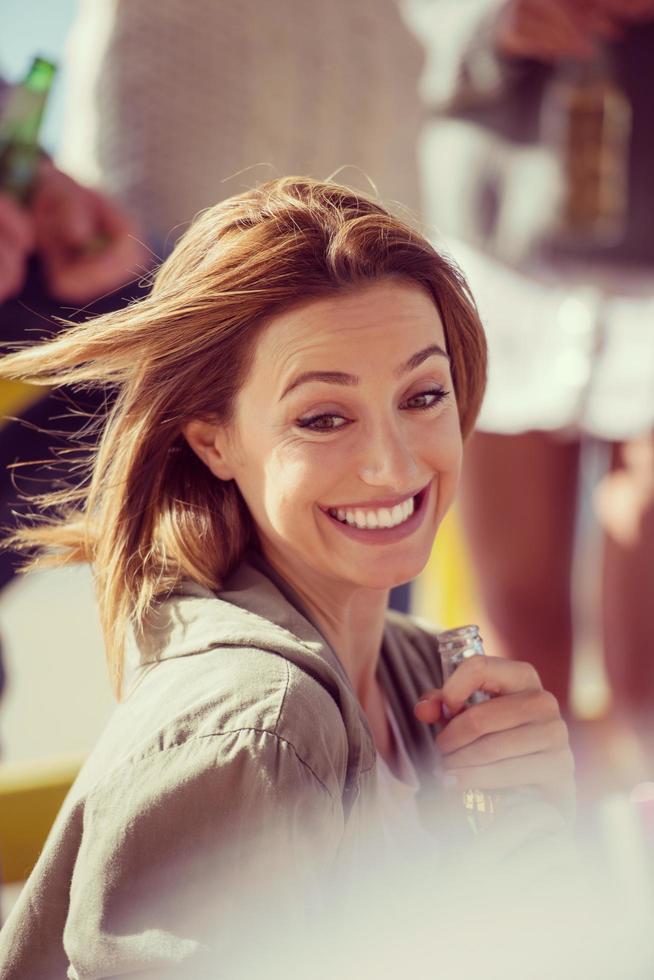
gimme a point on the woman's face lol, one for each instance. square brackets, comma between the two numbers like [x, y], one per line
[379, 430]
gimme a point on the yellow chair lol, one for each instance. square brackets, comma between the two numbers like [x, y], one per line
[31, 794]
[444, 593]
[15, 397]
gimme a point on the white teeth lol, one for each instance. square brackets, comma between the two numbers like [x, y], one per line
[385, 517]
[397, 514]
[372, 519]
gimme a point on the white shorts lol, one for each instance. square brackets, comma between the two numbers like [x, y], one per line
[570, 348]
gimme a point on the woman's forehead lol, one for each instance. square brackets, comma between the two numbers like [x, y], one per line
[390, 313]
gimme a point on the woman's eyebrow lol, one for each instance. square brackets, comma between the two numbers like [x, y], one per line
[340, 378]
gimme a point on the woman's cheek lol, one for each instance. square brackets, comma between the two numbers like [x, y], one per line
[443, 443]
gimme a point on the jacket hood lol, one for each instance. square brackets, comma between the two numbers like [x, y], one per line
[249, 611]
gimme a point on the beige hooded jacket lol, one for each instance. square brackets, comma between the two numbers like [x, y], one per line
[232, 788]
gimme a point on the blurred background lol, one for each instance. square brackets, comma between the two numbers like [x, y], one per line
[517, 135]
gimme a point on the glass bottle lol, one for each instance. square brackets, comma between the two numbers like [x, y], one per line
[455, 646]
[587, 120]
[20, 124]
[479, 806]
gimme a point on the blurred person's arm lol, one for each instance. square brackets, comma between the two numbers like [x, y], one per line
[479, 50]
[627, 11]
[551, 30]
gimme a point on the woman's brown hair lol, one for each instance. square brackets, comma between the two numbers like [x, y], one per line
[146, 511]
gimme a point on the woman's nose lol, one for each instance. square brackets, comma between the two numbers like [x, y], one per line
[387, 461]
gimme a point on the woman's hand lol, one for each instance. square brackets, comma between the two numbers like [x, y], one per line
[517, 738]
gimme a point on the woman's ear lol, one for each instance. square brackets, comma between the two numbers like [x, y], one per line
[210, 443]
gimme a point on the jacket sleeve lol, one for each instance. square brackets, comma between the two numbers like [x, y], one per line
[194, 859]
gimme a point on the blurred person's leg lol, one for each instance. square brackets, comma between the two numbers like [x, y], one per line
[518, 504]
[625, 505]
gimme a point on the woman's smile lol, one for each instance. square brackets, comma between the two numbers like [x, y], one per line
[391, 525]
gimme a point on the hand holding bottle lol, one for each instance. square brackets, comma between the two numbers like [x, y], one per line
[87, 246]
[553, 30]
[515, 739]
[16, 243]
[626, 11]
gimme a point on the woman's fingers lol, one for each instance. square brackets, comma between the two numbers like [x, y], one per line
[493, 675]
[548, 770]
[428, 708]
[515, 738]
[497, 715]
[515, 742]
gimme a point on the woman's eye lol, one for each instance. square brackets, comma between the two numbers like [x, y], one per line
[331, 423]
[322, 423]
[436, 394]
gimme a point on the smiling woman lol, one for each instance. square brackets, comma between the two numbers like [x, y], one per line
[291, 402]
[310, 255]
[387, 447]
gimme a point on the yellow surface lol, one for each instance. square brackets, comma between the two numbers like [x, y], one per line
[31, 794]
[444, 593]
[15, 397]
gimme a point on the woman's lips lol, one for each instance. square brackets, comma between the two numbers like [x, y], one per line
[386, 535]
[388, 502]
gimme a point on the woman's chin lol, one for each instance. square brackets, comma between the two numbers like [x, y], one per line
[390, 574]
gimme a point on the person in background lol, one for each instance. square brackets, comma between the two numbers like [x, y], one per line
[569, 321]
[170, 111]
[71, 252]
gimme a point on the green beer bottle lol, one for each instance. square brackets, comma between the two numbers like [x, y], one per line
[20, 123]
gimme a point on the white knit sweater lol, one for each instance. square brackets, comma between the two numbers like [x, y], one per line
[173, 105]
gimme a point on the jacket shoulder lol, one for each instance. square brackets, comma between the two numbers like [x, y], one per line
[216, 784]
[230, 690]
